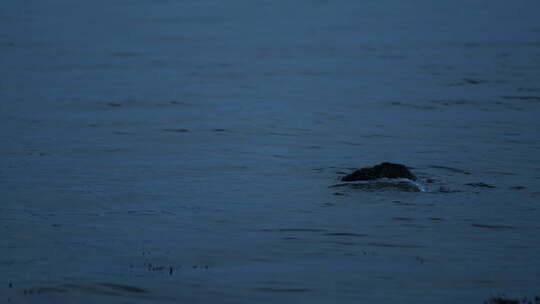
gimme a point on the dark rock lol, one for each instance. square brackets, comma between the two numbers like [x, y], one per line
[383, 170]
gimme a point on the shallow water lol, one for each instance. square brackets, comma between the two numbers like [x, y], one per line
[183, 151]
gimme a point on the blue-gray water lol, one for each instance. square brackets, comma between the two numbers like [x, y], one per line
[182, 151]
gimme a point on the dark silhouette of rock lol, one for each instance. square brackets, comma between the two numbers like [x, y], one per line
[383, 170]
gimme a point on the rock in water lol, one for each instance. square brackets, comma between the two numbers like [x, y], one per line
[383, 170]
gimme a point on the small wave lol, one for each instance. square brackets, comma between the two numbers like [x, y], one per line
[402, 184]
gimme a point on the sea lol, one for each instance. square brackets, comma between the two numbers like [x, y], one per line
[187, 151]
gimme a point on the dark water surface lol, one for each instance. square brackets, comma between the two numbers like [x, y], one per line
[182, 151]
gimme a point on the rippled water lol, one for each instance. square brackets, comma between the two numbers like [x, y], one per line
[184, 151]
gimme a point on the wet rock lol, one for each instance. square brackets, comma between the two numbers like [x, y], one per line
[383, 170]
